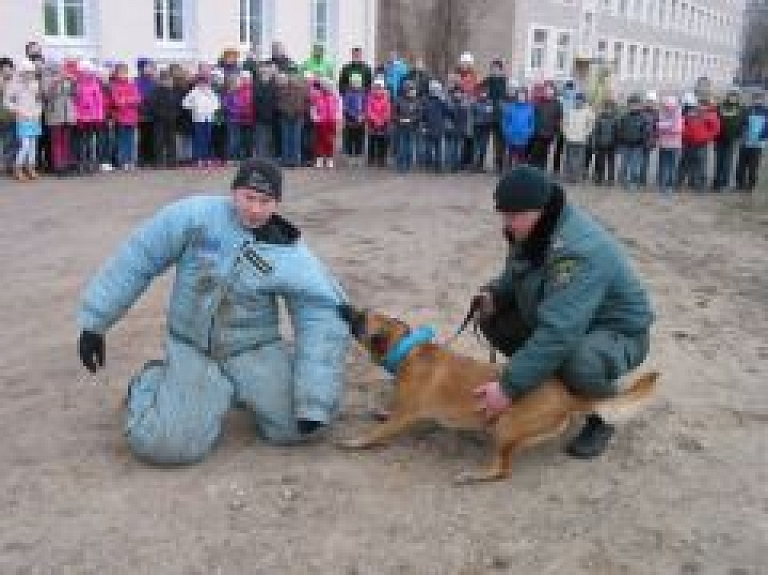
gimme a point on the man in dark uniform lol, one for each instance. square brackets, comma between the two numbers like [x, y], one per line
[568, 303]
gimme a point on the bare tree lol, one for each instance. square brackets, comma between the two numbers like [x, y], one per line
[448, 34]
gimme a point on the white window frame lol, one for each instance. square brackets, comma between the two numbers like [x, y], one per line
[632, 60]
[247, 26]
[618, 60]
[533, 45]
[315, 25]
[565, 51]
[165, 10]
[61, 38]
[656, 58]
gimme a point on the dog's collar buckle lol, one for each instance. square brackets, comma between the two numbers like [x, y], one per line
[421, 335]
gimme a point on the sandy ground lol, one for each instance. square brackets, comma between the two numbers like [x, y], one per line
[683, 489]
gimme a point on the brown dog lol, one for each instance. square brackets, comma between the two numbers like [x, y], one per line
[435, 384]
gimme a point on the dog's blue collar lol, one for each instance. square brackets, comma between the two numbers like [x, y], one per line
[395, 356]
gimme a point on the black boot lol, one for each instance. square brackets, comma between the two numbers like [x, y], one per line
[592, 439]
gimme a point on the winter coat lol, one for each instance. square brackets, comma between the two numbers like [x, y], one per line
[731, 122]
[755, 129]
[292, 98]
[465, 121]
[319, 67]
[202, 102]
[578, 124]
[90, 103]
[548, 118]
[517, 123]
[222, 318]
[394, 73]
[408, 113]
[605, 134]
[635, 129]
[163, 104]
[243, 110]
[23, 99]
[436, 110]
[124, 99]
[354, 105]
[700, 128]
[6, 116]
[325, 106]
[378, 110]
[355, 68]
[59, 107]
[586, 284]
[670, 128]
[264, 99]
[484, 114]
[420, 80]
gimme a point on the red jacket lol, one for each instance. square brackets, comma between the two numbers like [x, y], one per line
[701, 127]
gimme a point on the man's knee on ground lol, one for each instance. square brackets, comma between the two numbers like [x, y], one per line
[164, 450]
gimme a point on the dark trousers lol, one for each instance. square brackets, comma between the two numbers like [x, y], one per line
[605, 165]
[147, 144]
[499, 148]
[559, 149]
[724, 152]
[164, 144]
[748, 167]
[353, 138]
[539, 151]
[378, 148]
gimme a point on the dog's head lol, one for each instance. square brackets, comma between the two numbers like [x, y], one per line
[376, 332]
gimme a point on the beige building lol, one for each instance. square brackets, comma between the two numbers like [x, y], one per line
[185, 29]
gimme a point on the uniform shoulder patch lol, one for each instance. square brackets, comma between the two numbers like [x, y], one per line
[563, 269]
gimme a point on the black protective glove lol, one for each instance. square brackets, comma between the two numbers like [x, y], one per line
[91, 349]
[307, 426]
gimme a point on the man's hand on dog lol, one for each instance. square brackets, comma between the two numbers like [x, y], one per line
[483, 303]
[492, 400]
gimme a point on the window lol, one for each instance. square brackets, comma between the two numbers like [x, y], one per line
[538, 49]
[618, 56]
[586, 37]
[64, 19]
[623, 7]
[169, 20]
[607, 5]
[639, 9]
[676, 73]
[651, 11]
[656, 62]
[662, 12]
[320, 22]
[673, 14]
[667, 71]
[563, 56]
[632, 61]
[645, 61]
[252, 23]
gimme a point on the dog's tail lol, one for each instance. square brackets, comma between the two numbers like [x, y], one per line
[640, 389]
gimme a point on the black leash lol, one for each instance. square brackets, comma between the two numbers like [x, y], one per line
[474, 306]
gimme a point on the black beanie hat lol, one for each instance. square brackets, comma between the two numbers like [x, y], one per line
[524, 188]
[261, 175]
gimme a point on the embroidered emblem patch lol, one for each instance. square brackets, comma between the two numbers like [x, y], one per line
[563, 270]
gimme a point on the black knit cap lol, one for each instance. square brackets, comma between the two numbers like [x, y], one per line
[261, 175]
[524, 188]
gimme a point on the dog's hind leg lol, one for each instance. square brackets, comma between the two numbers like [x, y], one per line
[497, 470]
[396, 424]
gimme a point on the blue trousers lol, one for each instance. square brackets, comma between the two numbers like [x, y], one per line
[669, 162]
[202, 141]
[126, 145]
[632, 165]
[291, 130]
[404, 138]
[174, 407]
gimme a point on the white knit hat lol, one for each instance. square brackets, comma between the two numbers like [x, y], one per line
[467, 59]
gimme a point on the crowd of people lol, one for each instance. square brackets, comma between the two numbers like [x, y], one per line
[76, 116]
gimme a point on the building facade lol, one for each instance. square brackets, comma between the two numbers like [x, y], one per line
[755, 59]
[664, 44]
[185, 30]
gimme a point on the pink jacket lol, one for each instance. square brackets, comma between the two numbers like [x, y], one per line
[378, 110]
[89, 100]
[325, 107]
[125, 100]
[244, 105]
[670, 128]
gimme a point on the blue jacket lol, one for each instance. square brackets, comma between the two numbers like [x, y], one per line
[586, 283]
[394, 74]
[354, 105]
[517, 123]
[224, 300]
[756, 127]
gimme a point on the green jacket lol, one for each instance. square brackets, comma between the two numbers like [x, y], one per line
[321, 67]
[731, 121]
[586, 283]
